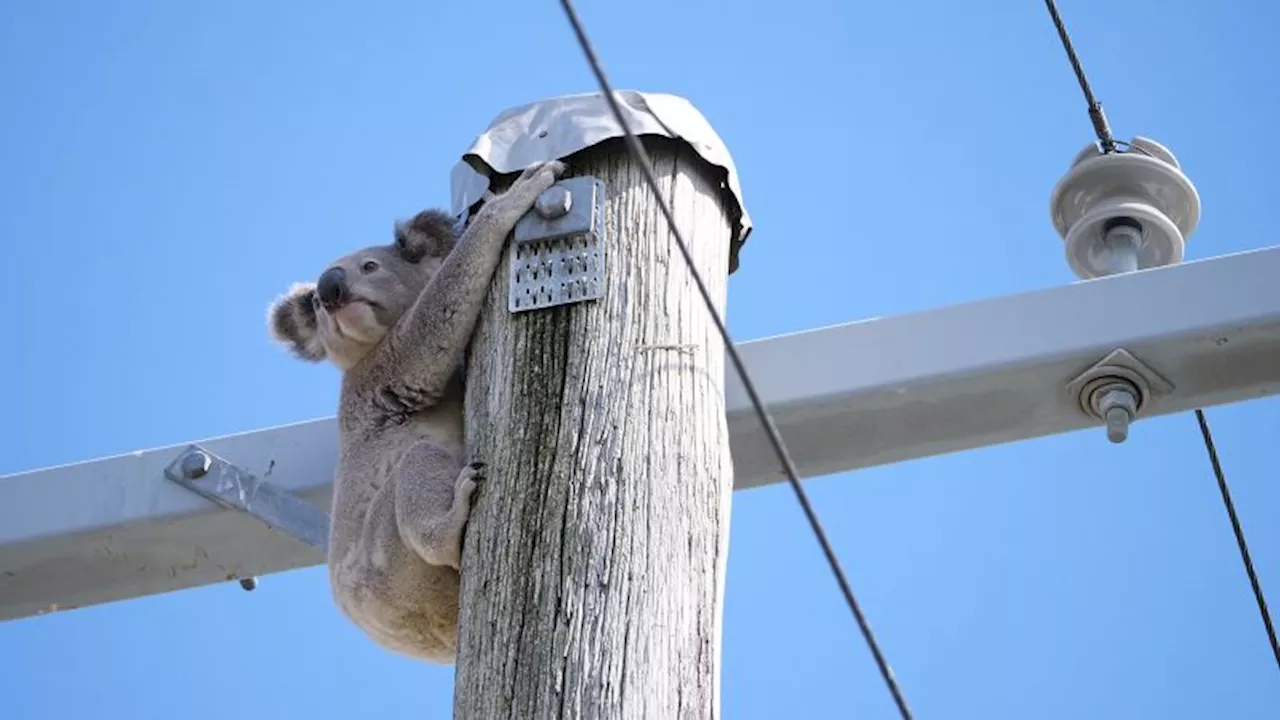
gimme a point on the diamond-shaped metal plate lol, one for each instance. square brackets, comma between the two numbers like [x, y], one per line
[560, 261]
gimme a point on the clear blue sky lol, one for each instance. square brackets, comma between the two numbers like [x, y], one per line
[168, 168]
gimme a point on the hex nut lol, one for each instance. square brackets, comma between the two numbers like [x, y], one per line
[1118, 406]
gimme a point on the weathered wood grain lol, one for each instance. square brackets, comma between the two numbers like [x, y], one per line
[594, 559]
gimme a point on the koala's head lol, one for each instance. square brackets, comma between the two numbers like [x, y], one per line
[358, 298]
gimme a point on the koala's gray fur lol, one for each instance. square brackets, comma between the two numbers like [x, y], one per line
[397, 320]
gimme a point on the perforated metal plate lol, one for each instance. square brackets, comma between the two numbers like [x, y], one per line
[560, 260]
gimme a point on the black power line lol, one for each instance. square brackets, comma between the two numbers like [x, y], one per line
[1096, 115]
[1239, 533]
[641, 158]
[1108, 144]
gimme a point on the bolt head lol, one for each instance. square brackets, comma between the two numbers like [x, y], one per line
[196, 465]
[554, 202]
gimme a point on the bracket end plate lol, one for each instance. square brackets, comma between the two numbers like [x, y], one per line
[223, 483]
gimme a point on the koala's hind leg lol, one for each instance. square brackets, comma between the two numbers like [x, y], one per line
[433, 500]
[380, 552]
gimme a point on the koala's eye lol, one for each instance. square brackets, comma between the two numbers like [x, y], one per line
[369, 266]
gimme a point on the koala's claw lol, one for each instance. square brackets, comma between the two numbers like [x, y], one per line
[468, 480]
[555, 167]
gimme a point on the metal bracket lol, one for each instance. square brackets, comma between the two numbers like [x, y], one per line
[559, 251]
[218, 480]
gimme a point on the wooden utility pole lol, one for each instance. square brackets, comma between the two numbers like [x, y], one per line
[594, 559]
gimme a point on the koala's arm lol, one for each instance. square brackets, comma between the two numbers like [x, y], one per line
[424, 349]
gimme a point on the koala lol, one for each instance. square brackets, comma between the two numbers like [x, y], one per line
[396, 320]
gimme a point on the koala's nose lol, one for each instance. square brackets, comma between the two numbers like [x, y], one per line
[332, 288]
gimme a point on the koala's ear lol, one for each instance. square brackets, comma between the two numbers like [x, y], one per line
[429, 234]
[292, 321]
